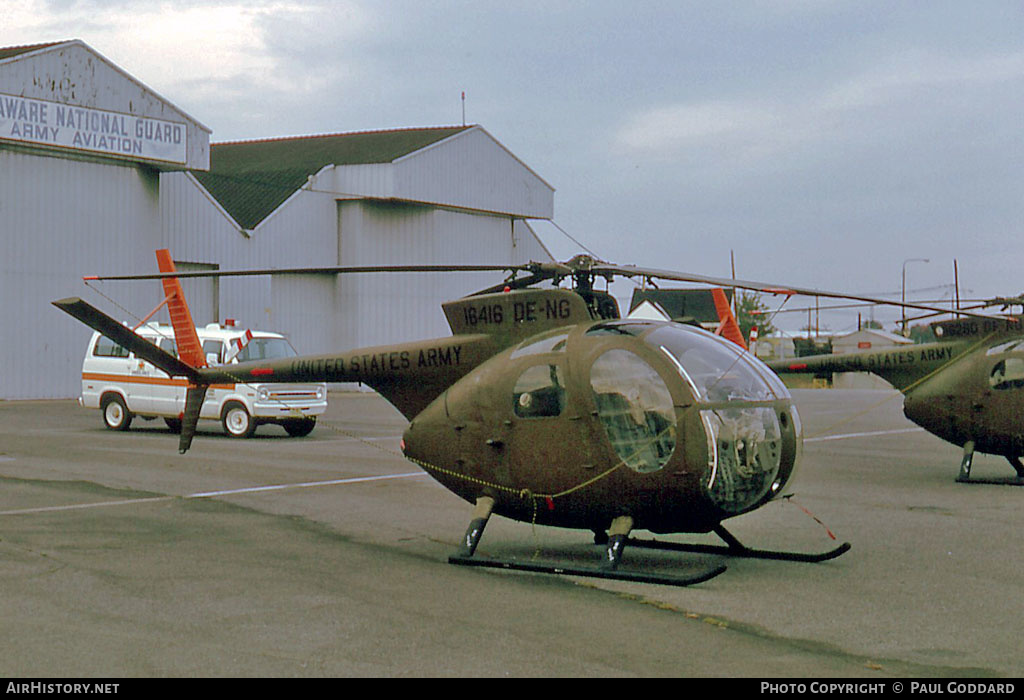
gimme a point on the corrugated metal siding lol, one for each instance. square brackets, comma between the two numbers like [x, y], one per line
[62, 219]
[303, 312]
[196, 230]
[394, 307]
[299, 234]
[202, 293]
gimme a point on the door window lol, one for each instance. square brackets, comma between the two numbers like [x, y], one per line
[539, 392]
[635, 408]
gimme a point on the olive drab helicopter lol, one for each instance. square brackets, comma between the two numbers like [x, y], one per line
[967, 388]
[546, 407]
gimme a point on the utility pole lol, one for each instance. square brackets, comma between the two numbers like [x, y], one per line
[903, 294]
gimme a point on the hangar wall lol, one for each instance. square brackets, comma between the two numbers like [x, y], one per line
[385, 308]
[82, 145]
[440, 204]
[62, 218]
[68, 208]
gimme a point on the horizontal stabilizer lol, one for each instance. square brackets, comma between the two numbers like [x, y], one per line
[126, 338]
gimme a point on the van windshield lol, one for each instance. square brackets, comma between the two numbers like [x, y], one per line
[266, 349]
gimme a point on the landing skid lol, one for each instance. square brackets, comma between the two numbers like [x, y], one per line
[735, 548]
[615, 542]
[1006, 481]
[964, 477]
[588, 571]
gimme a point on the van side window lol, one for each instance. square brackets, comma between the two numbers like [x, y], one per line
[105, 347]
[214, 348]
[168, 345]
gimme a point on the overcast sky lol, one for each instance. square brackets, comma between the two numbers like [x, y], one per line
[823, 142]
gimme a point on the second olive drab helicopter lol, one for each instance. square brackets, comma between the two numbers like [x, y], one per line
[546, 407]
[967, 388]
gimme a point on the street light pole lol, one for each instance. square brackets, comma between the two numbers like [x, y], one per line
[903, 293]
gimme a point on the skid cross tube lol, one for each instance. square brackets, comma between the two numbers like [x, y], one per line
[735, 548]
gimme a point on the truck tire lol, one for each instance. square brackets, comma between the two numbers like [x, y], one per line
[236, 421]
[116, 415]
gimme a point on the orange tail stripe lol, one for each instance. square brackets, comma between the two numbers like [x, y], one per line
[190, 350]
[728, 328]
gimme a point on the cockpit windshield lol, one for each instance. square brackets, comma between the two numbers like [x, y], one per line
[716, 369]
[744, 439]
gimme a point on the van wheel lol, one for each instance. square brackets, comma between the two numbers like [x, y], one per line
[237, 422]
[115, 414]
[174, 424]
[299, 427]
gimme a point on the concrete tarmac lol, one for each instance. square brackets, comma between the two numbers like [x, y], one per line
[327, 556]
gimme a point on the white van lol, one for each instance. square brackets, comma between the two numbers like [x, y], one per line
[123, 386]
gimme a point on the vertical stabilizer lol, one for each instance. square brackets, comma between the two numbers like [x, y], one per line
[190, 350]
[727, 328]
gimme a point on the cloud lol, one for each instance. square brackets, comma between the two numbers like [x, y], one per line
[916, 70]
[680, 125]
[848, 111]
[169, 44]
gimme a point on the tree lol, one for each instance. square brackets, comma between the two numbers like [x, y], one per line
[751, 311]
[922, 334]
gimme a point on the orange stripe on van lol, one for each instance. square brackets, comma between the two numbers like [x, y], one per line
[134, 379]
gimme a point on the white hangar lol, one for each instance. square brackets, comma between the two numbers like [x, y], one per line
[97, 171]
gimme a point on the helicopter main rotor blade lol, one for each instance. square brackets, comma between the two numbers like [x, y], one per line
[539, 271]
[789, 290]
[516, 283]
[866, 305]
[338, 270]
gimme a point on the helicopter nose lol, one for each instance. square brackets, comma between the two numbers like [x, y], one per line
[936, 414]
[916, 408]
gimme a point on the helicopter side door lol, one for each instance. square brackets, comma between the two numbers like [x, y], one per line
[548, 445]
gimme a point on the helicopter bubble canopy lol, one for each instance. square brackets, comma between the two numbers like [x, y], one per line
[738, 402]
[745, 439]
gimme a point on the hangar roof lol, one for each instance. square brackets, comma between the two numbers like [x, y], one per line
[251, 179]
[8, 51]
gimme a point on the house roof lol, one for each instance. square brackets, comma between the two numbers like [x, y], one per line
[251, 179]
[697, 304]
